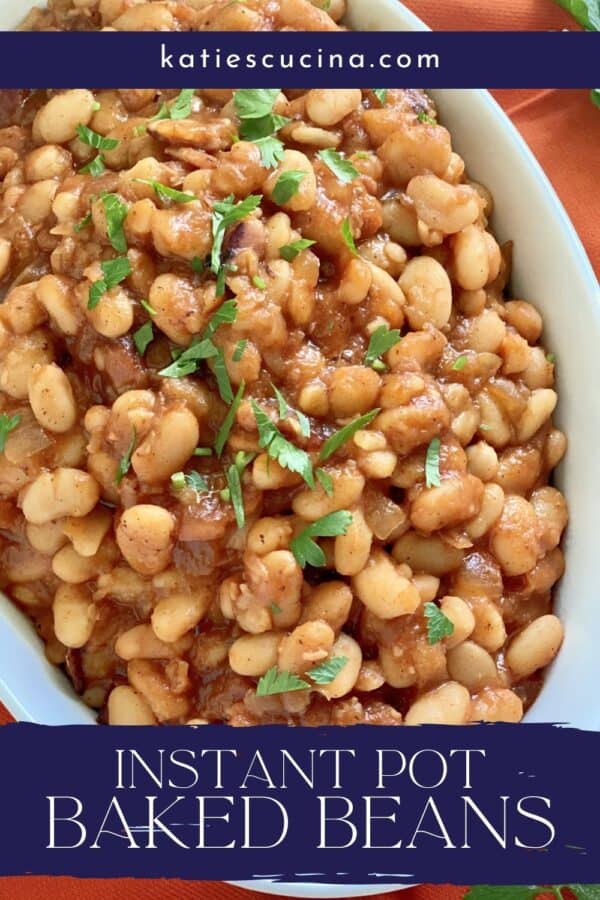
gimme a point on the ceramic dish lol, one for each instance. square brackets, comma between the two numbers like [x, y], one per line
[552, 271]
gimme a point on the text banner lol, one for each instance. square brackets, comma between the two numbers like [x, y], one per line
[504, 804]
[300, 59]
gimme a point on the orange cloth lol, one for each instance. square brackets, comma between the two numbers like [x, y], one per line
[563, 130]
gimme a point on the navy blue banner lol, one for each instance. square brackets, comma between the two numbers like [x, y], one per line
[300, 59]
[487, 804]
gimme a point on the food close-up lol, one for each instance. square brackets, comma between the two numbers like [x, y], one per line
[276, 442]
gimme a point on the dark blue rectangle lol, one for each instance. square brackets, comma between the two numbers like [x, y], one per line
[466, 59]
[537, 786]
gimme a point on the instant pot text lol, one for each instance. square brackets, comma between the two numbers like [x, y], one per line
[221, 798]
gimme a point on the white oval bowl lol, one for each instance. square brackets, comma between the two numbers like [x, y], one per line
[551, 270]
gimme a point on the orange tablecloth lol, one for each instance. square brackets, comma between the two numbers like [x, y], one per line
[563, 129]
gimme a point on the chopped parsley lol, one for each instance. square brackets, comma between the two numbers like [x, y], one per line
[193, 480]
[439, 626]
[285, 411]
[344, 434]
[234, 486]
[95, 140]
[7, 424]
[114, 272]
[271, 149]
[259, 124]
[280, 449]
[381, 94]
[197, 265]
[432, 464]
[187, 361]
[233, 492]
[306, 550]
[225, 315]
[227, 424]
[255, 103]
[259, 282]
[529, 892]
[286, 186]
[83, 223]
[239, 350]
[125, 461]
[325, 480]
[460, 362]
[94, 168]
[115, 212]
[291, 251]
[348, 237]
[166, 193]
[143, 337]
[277, 682]
[382, 340]
[182, 105]
[226, 213]
[585, 12]
[202, 451]
[149, 309]
[328, 670]
[342, 168]
[222, 376]
[425, 119]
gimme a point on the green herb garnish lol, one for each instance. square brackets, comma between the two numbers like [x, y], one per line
[439, 626]
[585, 12]
[94, 168]
[143, 337]
[285, 411]
[459, 363]
[342, 168]
[125, 461]
[227, 424]
[83, 223]
[432, 464]
[226, 213]
[239, 350]
[325, 480]
[382, 340]
[276, 682]
[95, 140]
[187, 361]
[306, 550]
[328, 670]
[182, 105]
[381, 94]
[114, 271]
[286, 186]
[166, 193]
[193, 480]
[291, 251]
[280, 449]
[115, 212]
[259, 124]
[344, 434]
[348, 238]
[7, 424]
